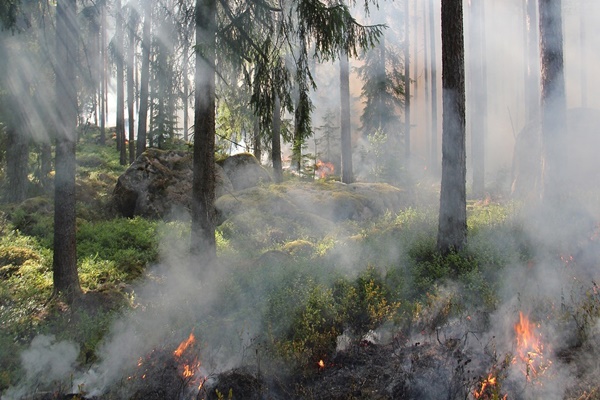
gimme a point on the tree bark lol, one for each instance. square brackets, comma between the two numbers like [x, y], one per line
[256, 139]
[434, 111]
[186, 88]
[64, 264]
[120, 125]
[103, 74]
[345, 124]
[532, 61]
[478, 92]
[276, 141]
[553, 102]
[17, 160]
[130, 82]
[407, 100]
[452, 230]
[426, 89]
[203, 241]
[144, 81]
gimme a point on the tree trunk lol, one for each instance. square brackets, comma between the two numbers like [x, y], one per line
[130, 82]
[434, 111]
[345, 124]
[17, 160]
[553, 102]
[256, 139]
[144, 81]
[582, 54]
[415, 60]
[120, 128]
[532, 61]
[46, 164]
[452, 231]
[276, 141]
[186, 88]
[407, 99]
[478, 92]
[426, 68]
[64, 265]
[103, 75]
[203, 242]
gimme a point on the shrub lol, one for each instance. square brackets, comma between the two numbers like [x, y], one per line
[365, 303]
[130, 243]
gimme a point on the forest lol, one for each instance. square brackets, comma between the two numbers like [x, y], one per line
[307, 199]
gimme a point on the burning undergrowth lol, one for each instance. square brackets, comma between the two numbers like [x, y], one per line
[502, 321]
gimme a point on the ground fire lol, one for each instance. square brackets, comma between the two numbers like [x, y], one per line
[172, 373]
[529, 353]
[324, 169]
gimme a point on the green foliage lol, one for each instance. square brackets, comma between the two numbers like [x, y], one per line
[366, 302]
[130, 243]
[381, 159]
[303, 322]
[382, 90]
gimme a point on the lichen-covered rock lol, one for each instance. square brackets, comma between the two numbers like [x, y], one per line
[159, 184]
[244, 171]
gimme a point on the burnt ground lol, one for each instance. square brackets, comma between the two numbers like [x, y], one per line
[364, 371]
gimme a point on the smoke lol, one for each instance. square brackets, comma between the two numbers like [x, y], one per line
[45, 362]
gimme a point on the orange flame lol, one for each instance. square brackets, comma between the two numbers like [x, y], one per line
[530, 348]
[321, 364]
[187, 371]
[324, 169]
[184, 345]
[485, 384]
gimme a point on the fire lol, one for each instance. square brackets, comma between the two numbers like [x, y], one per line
[321, 364]
[530, 348]
[184, 345]
[324, 169]
[489, 389]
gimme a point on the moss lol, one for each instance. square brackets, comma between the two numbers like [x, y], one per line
[299, 248]
[17, 255]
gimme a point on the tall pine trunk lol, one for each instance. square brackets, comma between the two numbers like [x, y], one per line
[532, 61]
[17, 159]
[130, 82]
[120, 126]
[452, 229]
[256, 139]
[203, 241]
[144, 81]
[276, 141]
[434, 102]
[64, 264]
[478, 103]
[407, 99]
[186, 88]
[103, 74]
[553, 102]
[346, 134]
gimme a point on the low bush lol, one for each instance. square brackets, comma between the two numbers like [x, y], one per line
[131, 243]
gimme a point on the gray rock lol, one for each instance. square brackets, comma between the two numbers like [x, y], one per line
[159, 185]
[244, 171]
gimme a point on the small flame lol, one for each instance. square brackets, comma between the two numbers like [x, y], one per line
[321, 364]
[184, 345]
[324, 169]
[187, 371]
[487, 383]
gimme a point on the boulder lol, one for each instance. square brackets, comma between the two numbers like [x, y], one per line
[244, 171]
[158, 184]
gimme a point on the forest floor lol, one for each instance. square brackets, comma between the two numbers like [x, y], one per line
[364, 309]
